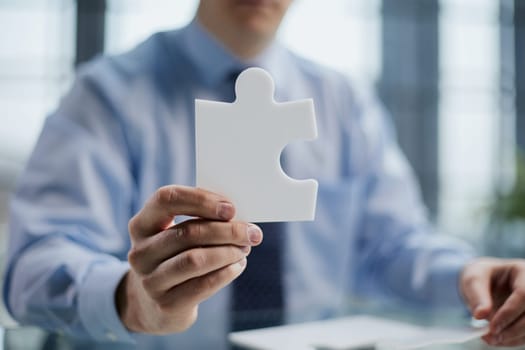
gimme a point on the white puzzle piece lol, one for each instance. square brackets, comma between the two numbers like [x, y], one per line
[238, 149]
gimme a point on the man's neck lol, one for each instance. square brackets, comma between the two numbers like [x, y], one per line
[242, 45]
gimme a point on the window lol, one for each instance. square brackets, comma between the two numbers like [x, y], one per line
[36, 68]
[469, 112]
[36, 60]
[131, 21]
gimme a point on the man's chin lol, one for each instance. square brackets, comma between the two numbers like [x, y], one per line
[256, 3]
[257, 28]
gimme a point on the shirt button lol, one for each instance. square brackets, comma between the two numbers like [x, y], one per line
[111, 336]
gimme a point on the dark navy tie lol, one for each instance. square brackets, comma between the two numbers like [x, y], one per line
[257, 295]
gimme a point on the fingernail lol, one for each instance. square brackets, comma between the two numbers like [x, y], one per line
[498, 329]
[243, 263]
[224, 210]
[254, 234]
[478, 314]
[500, 339]
[245, 249]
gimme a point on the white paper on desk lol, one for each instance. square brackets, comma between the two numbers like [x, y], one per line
[434, 336]
[357, 332]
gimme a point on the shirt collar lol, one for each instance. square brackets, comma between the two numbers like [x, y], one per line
[214, 62]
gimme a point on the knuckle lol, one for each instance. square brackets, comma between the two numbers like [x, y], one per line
[195, 231]
[168, 194]
[194, 260]
[238, 231]
[134, 257]
[180, 232]
[189, 231]
[133, 225]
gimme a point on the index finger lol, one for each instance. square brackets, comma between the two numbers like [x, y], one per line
[475, 284]
[173, 200]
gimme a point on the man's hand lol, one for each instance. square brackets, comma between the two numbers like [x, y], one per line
[174, 268]
[494, 289]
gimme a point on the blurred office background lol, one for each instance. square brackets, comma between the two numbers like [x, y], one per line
[451, 73]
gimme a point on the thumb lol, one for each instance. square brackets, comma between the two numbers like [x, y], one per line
[475, 285]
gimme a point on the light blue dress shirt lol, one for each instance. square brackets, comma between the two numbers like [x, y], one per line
[127, 128]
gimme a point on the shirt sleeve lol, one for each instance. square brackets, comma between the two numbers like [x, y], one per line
[399, 254]
[68, 220]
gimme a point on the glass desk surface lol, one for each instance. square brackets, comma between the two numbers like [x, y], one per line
[33, 339]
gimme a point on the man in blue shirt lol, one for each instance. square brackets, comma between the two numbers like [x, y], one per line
[114, 166]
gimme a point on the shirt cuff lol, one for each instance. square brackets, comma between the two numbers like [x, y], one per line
[445, 282]
[97, 308]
